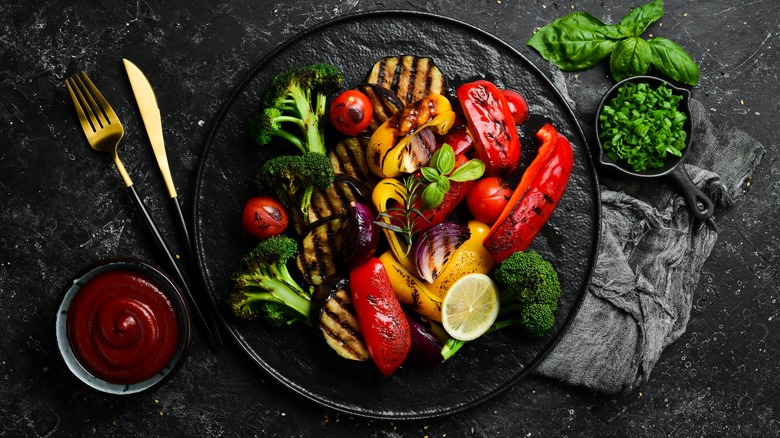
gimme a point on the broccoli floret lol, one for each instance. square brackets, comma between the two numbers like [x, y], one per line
[292, 179]
[295, 105]
[264, 288]
[530, 290]
[532, 277]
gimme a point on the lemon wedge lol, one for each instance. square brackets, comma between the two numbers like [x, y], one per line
[470, 307]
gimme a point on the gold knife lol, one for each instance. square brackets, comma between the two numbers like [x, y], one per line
[150, 113]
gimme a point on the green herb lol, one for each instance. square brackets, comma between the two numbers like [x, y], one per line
[579, 41]
[428, 190]
[641, 125]
[402, 220]
[441, 173]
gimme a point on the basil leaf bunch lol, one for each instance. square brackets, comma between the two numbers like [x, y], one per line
[579, 41]
[441, 171]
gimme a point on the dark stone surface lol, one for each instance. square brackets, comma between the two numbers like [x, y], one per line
[64, 206]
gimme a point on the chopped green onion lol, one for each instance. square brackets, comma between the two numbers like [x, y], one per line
[641, 125]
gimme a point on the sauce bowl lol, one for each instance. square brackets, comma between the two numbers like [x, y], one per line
[123, 326]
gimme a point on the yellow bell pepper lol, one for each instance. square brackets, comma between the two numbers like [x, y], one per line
[390, 152]
[410, 290]
[426, 298]
[391, 190]
[470, 257]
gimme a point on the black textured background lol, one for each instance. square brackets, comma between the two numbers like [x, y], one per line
[64, 206]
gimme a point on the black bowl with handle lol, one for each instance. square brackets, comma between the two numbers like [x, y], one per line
[699, 204]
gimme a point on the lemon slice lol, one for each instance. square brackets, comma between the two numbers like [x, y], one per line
[470, 307]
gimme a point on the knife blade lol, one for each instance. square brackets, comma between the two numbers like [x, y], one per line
[150, 113]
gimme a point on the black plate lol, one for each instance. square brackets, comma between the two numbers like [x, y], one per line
[296, 356]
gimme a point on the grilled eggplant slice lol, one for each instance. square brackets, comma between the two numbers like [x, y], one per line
[320, 248]
[410, 77]
[340, 326]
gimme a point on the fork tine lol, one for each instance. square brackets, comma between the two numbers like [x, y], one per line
[85, 93]
[108, 112]
[85, 120]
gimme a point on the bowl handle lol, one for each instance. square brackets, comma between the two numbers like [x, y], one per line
[692, 194]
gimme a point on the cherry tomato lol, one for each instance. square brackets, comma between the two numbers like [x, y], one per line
[487, 199]
[264, 217]
[517, 106]
[351, 112]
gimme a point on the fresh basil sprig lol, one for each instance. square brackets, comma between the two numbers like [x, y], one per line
[579, 41]
[440, 173]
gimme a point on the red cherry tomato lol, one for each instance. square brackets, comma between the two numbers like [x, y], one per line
[487, 199]
[517, 106]
[264, 217]
[351, 112]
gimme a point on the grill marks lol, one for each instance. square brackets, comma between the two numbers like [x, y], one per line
[410, 77]
[319, 248]
[348, 158]
[384, 102]
[340, 327]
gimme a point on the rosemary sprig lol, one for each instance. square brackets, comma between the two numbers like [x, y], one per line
[402, 220]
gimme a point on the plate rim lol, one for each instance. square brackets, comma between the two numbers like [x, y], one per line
[298, 389]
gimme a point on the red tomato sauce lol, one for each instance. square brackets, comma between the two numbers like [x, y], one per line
[122, 327]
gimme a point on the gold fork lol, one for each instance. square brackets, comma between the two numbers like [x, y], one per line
[104, 131]
[101, 125]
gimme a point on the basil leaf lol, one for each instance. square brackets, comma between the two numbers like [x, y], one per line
[631, 57]
[444, 159]
[430, 174]
[614, 31]
[673, 61]
[443, 183]
[432, 196]
[638, 20]
[471, 170]
[573, 42]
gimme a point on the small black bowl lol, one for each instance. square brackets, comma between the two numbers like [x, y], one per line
[672, 165]
[147, 273]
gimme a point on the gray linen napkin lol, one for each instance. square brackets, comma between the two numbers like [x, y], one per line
[651, 255]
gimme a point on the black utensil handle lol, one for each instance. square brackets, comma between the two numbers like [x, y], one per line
[190, 257]
[178, 276]
[182, 224]
[692, 194]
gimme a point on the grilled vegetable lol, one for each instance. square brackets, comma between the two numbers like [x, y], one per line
[351, 112]
[396, 203]
[354, 182]
[410, 290]
[384, 103]
[364, 233]
[410, 77]
[381, 318]
[433, 248]
[535, 197]
[391, 149]
[320, 249]
[470, 257]
[340, 327]
[492, 126]
[426, 347]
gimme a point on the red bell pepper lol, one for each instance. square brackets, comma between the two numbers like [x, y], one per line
[459, 140]
[382, 321]
[492, 126]
[535, 197]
